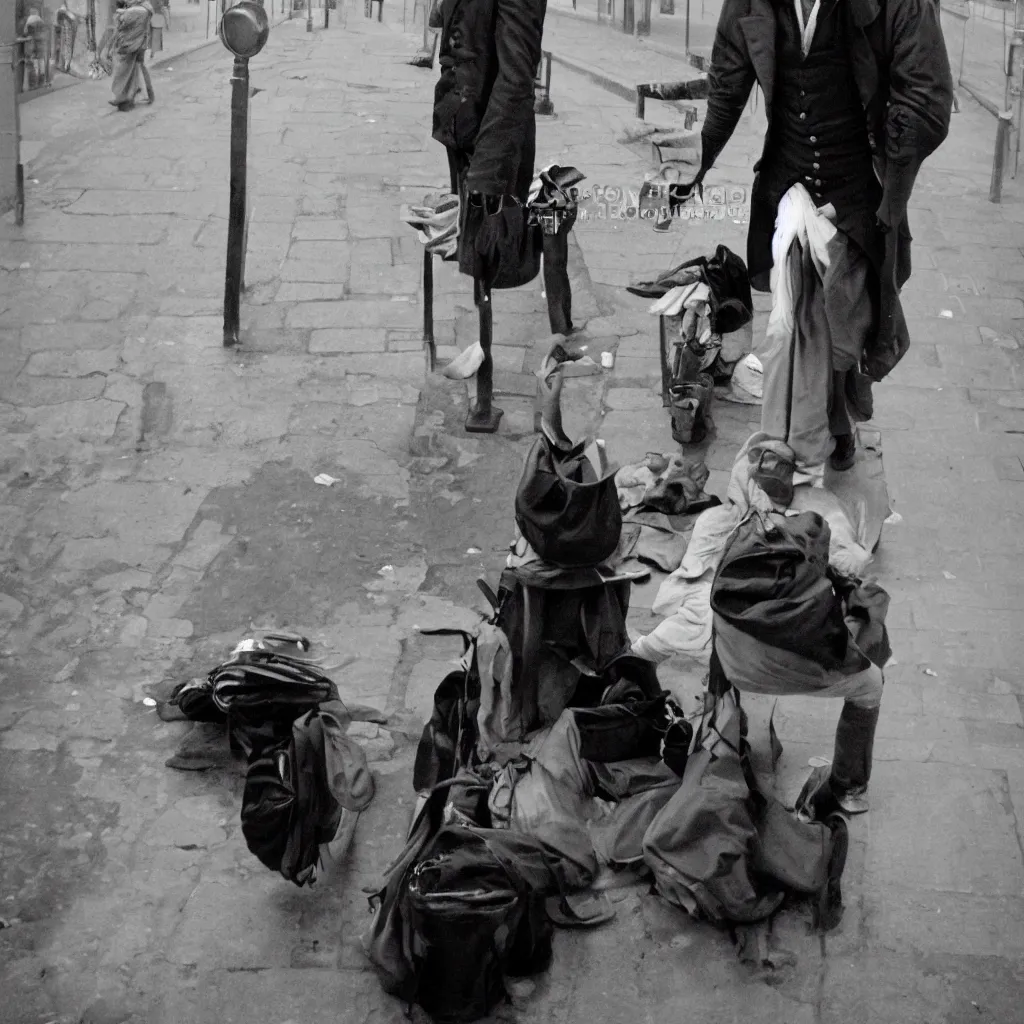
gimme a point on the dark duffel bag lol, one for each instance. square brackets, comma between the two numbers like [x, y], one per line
[568, 514]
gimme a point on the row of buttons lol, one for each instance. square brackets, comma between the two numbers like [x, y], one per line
[817, 166]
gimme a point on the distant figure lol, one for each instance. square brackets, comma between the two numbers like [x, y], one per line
[131, 38]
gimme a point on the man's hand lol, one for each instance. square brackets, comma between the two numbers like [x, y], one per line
[679, 195]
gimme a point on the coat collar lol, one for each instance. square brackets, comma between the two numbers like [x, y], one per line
[758, 29]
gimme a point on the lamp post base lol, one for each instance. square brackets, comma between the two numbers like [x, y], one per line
[483, 422]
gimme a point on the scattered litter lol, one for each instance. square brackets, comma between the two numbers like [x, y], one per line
[543, 294]
[324, 480]
[893, 520]
[931, 672]
[946, 313]
[371, 120]
[818, 762]
[473, 551]
[387, 570]
[35, 181]
[66, 672]
[25, 266]
[748, 378]
[149, 702]
[948, 575]
[607, 360]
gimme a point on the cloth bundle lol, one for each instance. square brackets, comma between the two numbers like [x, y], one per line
[747, 384]
[665, 483]
[818, 328]
[684, 598]
[550, 200]
[436, 221]
[725, 275]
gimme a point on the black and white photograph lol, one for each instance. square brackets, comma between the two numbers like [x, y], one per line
[511, 511]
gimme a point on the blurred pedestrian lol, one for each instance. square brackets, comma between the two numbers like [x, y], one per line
[131, 38]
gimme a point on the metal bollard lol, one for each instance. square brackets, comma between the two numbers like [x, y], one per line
[244, 30]
[995, 189]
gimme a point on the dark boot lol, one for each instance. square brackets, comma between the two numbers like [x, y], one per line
[845, 454]
[851, 762]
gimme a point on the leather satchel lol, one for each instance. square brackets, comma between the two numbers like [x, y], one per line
[569, 515]
[501, 243]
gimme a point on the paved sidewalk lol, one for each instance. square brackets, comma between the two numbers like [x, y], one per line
[160, 501]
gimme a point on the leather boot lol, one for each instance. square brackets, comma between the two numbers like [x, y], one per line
[851, 762]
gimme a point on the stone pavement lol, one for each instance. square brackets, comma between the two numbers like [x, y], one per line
[160, 501]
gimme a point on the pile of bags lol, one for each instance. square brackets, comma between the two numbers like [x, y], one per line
[553, 754]
[304, 774]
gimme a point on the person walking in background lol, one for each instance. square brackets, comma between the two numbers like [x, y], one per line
[130, 41]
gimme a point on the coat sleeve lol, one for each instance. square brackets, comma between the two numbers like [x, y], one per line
[499, 143]
[730, 79]
[920, 101]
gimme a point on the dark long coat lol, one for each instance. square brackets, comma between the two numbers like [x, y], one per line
[902, 73]
[483, 101]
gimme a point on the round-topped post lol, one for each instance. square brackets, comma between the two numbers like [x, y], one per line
[244, 30]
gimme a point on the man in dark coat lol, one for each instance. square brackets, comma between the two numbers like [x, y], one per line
[483, 104]
[857, 94]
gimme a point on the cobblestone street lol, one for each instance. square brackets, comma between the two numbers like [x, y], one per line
[159, 502]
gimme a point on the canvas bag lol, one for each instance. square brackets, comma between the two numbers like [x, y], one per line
[502, 248]
[720, 848]
[569, 515]
[476, 914]
[502, 718]
[698, 845]
[396, 939]
[773, 583]
[449, 739]
[297, 787]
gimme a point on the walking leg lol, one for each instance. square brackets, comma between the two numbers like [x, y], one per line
[144, 71]
[851, 762]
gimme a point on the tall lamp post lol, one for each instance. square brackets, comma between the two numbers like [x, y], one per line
[244, 30]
